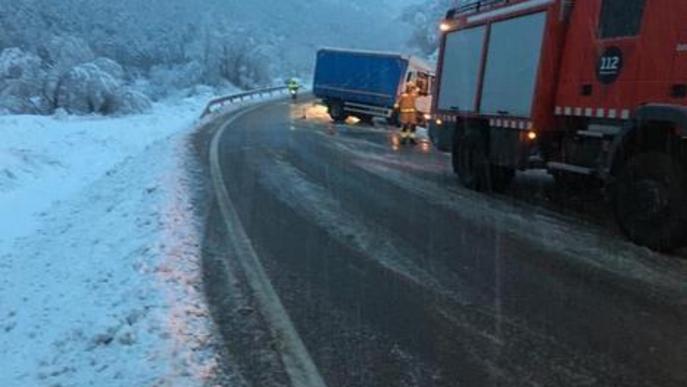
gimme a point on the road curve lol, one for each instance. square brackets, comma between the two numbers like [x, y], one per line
[392, 275]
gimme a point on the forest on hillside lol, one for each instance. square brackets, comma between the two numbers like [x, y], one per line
[115, 57]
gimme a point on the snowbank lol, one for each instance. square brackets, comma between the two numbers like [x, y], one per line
[99, 256]
[46, 159]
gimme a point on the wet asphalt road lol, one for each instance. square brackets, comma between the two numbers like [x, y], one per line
[395, 276]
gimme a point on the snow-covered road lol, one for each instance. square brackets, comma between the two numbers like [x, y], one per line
[99, 252]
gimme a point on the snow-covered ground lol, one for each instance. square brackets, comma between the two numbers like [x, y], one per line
[99, 252]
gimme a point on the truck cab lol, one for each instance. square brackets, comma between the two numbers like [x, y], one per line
[592, 90]
[424, 81]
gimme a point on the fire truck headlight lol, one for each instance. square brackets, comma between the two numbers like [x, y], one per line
[532, 136]
[439, 121]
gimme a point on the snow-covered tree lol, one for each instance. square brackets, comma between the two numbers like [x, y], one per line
[21, 82]
[425, 18]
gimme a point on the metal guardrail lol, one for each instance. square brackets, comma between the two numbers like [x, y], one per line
[217, 103]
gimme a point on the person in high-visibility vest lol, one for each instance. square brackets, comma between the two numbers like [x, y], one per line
[293, 87]
[408, 114]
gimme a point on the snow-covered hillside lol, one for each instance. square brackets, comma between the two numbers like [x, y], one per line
[166, 45]
[99, 251]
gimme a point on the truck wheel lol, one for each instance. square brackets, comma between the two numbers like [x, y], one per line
[470, 161]
[366, 119]
[575, 183]
[650, 201]
[336, 111]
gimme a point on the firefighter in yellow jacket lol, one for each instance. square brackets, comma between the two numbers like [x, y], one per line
[408, 114]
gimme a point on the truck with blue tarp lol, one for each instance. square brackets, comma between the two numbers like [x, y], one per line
[367, 84]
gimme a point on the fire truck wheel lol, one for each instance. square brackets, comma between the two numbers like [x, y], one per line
[571, 182]
[336, 111]
[650, 201]
[470, 161]
[501, 178]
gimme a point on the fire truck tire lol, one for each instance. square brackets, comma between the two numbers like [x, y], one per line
[572, 182]
[501, 178]
[470, 161]
[471, 164]
[337, 112]
[650, 201]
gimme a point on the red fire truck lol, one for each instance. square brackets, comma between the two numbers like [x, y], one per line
[594, 90]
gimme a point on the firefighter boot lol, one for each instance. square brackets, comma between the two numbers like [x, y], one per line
[411, 135]
[404, 135]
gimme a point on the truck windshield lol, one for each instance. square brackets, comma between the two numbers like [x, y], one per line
[423, 83]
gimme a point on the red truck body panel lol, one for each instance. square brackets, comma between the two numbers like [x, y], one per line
[652, 62]
[580, 73]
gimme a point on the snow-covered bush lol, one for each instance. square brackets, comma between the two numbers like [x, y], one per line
[243, 61]
[54, 84]
[129, 101]
[21, 97]
[21, 82]
[256, 69]
[16, 64]
[111, 67]
[62, 53]
[87, 89]
[167, 79]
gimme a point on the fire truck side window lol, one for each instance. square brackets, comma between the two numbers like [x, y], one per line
[620, 18]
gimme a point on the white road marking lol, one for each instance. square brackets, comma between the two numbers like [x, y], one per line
[298, 363]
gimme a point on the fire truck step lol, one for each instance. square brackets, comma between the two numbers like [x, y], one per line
[587, 133]
[606, 130]
[570, 168]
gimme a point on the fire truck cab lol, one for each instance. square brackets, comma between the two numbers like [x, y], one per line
[593, 90]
